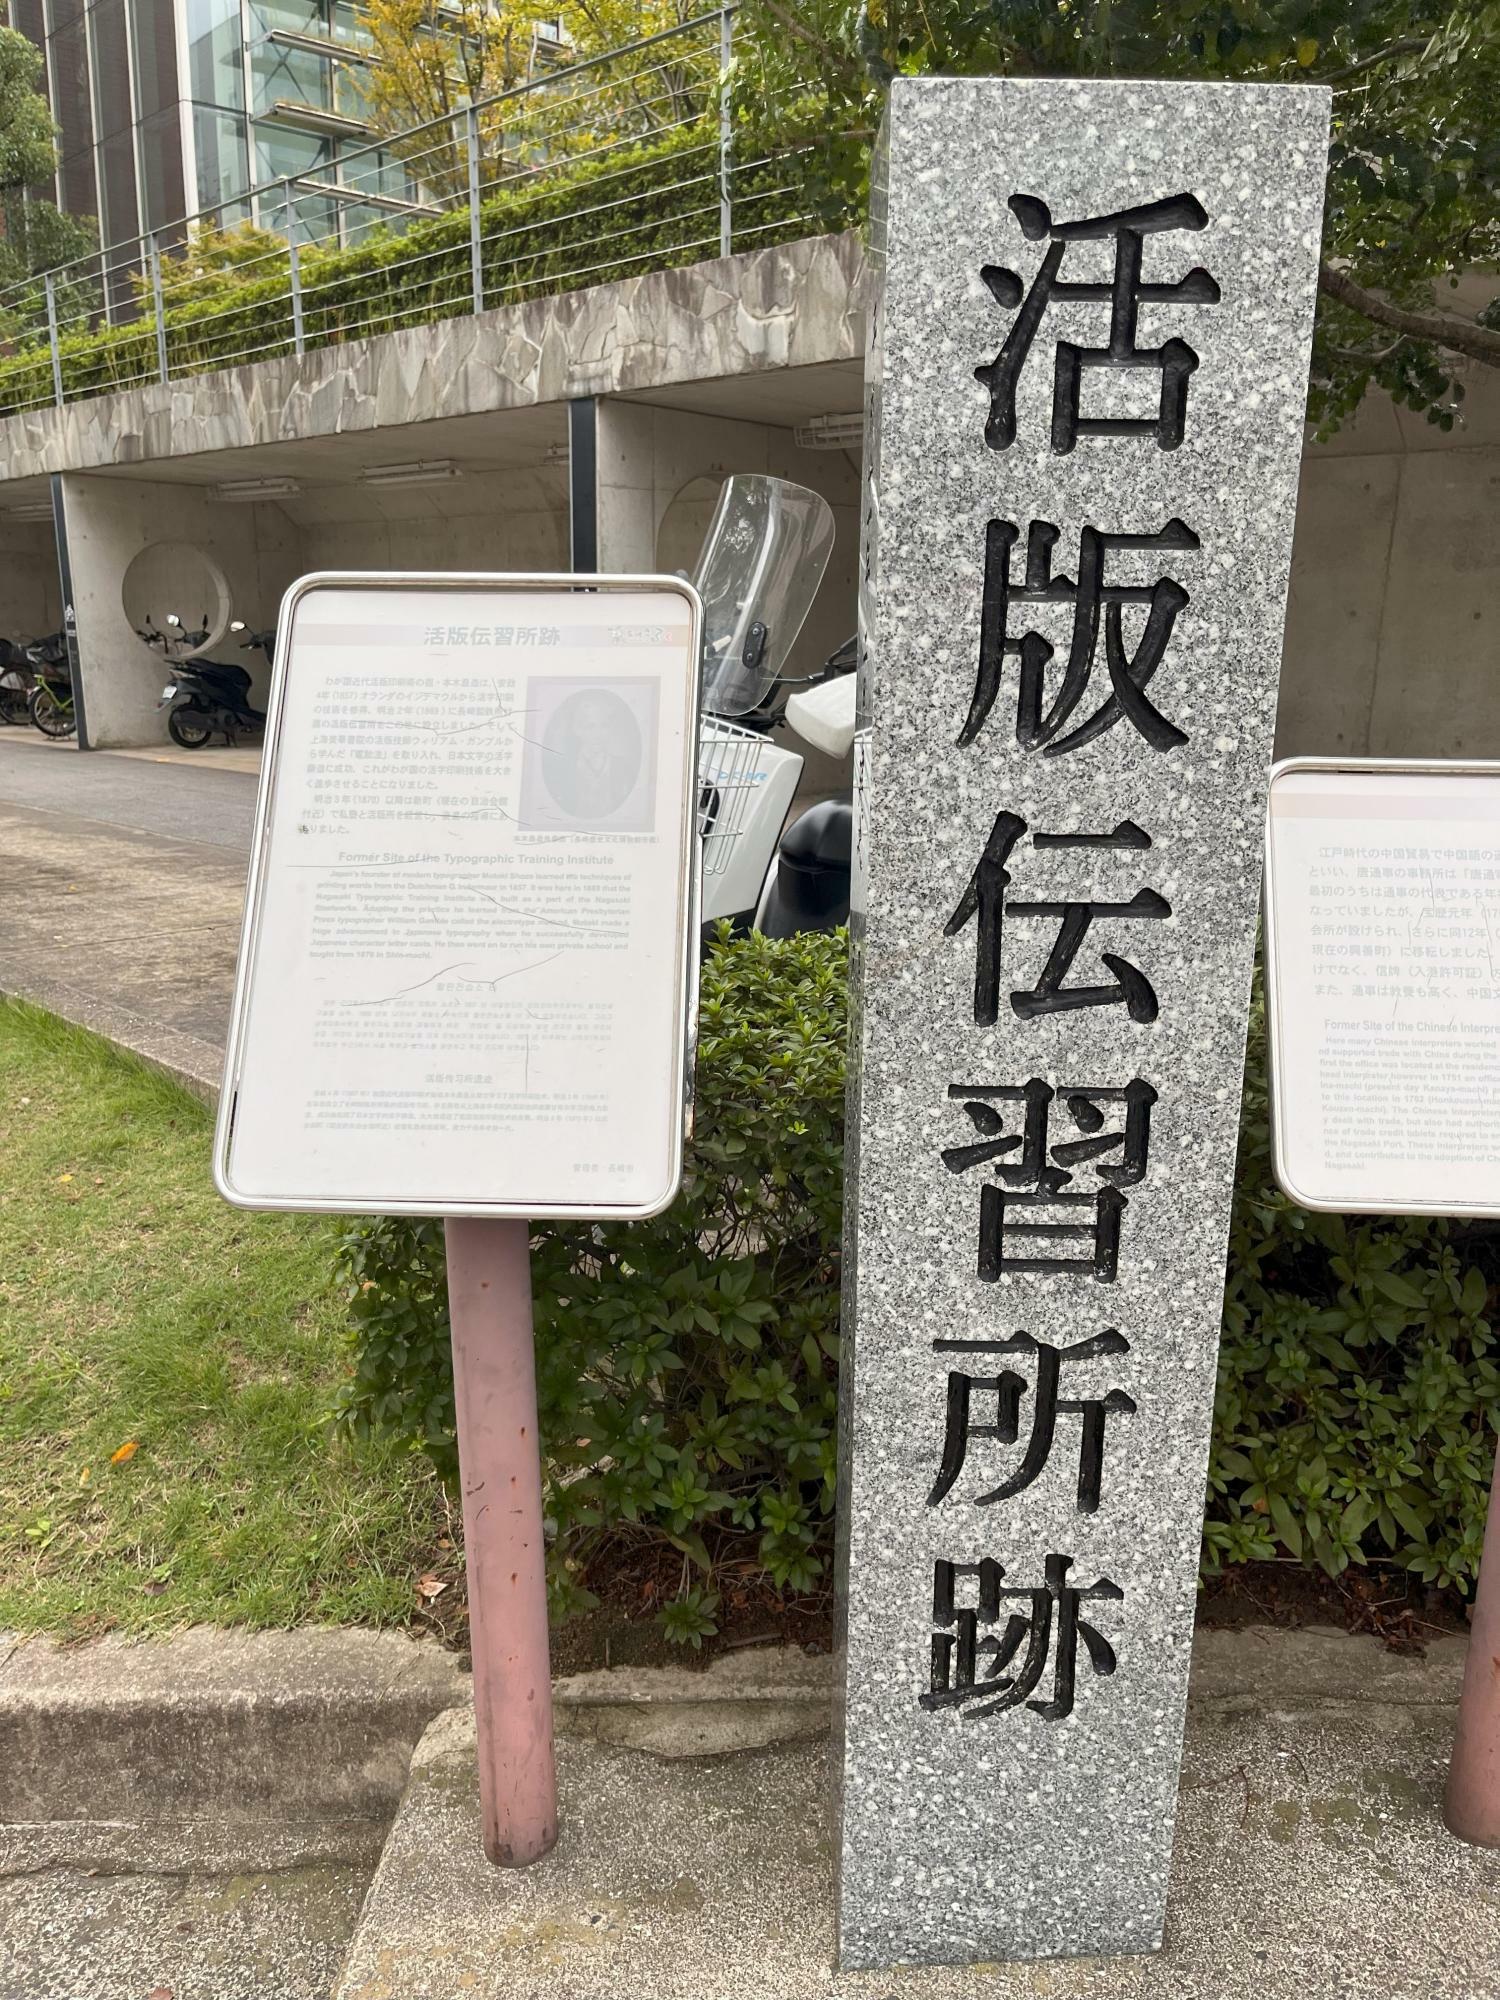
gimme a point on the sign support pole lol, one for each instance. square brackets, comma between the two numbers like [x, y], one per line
[500, 1471]
[1472, 1804]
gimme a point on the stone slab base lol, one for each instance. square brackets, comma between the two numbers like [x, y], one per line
[1311, 1858]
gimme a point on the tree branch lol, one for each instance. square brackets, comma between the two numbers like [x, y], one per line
[1359, 360]
[1410, 45]
[1458, 336]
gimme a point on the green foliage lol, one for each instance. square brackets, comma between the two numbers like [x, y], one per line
[36, 238]
[26, 148]
[34, 235]
[687, 1365]
[588, 222]
[1414, 168]
[1358, 1392]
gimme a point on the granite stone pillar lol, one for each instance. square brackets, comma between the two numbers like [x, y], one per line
[1088, 365]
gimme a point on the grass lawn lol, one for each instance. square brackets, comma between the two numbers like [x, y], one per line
[166, 1368]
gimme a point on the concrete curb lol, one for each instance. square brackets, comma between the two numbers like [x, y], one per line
[320, 1724]
[305, 1725]
[743, 1701]
[189, 1061]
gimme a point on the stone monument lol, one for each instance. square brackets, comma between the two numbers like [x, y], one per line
[1087, 372]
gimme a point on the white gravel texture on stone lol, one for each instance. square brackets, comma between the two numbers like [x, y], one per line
[977, 1828]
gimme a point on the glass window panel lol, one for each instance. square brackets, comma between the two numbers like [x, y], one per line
[345, 24]
[75, 181]
[282, 151]
[216, 62]
[306, 17]
[112, 107]
[294, 75]
[219, 145]
[63, 13]
[27, 15]
[161, 169]
[155, 58]
[375, 170]
[119, 217]
[70, 76]
[285, 154]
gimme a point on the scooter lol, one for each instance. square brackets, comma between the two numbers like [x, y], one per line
[761, 564]
[212, 697]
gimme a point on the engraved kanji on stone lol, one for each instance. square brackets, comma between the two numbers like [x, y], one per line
[1007, 1389]
[1030, 1215]
[985, 902]
[969, 1672]
[1093, 601]
[1126, 292]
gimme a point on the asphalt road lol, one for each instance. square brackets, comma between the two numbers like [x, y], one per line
[120, 900]
[208, 805]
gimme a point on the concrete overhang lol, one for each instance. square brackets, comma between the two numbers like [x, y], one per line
[772, 335]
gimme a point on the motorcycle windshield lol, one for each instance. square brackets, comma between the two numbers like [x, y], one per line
[758, 574]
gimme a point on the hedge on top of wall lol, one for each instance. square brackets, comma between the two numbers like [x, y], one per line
[630, 211]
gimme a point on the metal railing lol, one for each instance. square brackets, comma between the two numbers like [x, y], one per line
[645, 156]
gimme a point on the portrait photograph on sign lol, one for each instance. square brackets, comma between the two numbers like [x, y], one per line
[1382, 1002]
[466, 981]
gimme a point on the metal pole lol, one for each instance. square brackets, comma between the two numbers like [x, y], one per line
[156, 302]
[726, 133]
[298, 341]
[57, 386]
[1472, 1804]
[476, 241]
[494, 1387]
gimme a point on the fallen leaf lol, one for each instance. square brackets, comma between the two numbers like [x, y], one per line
[153, 1589]
[126, 1452]
[430, 1587]
[63, 1178]
[83, 1477]
[160, 1993]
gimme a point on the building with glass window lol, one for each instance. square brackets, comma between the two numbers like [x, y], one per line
[170, 108]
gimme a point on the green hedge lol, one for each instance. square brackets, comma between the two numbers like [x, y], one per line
[589, 222]
[1358, 1394]
[687, 1365]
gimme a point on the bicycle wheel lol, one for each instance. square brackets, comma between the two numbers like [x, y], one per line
[50, 715]
[14, 702]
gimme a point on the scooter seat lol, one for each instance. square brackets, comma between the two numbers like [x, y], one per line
[820, 840]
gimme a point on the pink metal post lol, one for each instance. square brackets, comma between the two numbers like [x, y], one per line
[494, 1382]
[1472, 1807]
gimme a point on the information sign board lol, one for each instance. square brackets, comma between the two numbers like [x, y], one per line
[1382, 999]
[468, 974]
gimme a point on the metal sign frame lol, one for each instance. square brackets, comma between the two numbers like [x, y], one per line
[688, 895]
[1416, 767]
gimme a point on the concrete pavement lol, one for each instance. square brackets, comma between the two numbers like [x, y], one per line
[1310, 1856]
[124, 883]
[1311, 1859]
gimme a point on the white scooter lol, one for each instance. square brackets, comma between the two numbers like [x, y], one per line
[761, 565]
